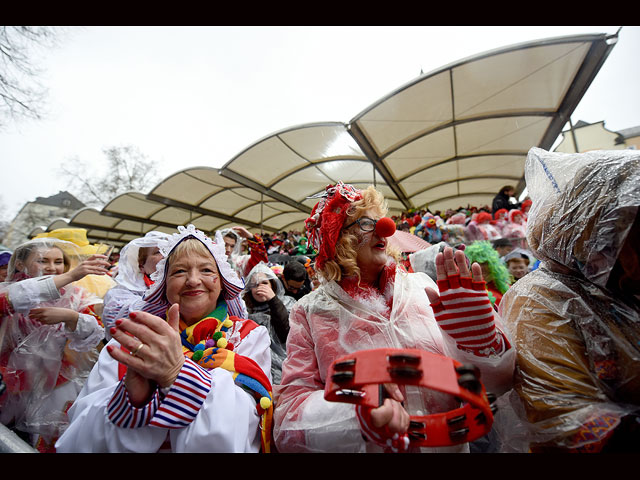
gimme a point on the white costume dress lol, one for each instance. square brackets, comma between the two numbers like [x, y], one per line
[213, 414]
[206, 409]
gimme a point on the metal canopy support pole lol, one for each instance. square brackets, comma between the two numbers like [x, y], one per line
[455, 133]
[573, 136]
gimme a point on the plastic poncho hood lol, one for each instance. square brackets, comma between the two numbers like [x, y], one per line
[262, 268]
[34, 249]
[578, 342]
[583, 208]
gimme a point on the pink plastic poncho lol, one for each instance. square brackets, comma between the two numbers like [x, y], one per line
[327, 324]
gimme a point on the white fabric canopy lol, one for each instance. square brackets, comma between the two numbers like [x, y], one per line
[449, 138]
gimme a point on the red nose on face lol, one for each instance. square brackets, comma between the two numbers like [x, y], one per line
[385, 227]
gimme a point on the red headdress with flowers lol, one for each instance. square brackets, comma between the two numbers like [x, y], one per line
[327, 219]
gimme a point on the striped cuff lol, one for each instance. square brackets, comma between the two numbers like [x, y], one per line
[185, 397]
[124, 415]
[177, 409]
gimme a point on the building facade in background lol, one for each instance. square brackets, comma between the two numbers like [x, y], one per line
[39, 213]
[585, 137]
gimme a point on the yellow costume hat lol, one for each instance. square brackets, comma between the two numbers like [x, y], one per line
[97, 284]
[77, 236]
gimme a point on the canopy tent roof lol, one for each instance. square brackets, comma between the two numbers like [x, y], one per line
[449, 138]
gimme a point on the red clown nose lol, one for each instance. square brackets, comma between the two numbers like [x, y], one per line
[385, 227]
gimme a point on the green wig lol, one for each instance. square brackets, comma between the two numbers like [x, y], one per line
[483, 252]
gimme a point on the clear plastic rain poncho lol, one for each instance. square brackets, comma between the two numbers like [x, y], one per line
[43, 365]
[327, 324]
[260, 312]
[577, 336]
[130, 280]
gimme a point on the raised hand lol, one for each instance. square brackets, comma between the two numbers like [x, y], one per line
[264, 292]
[463, 309]
[94, 265]
[243, 232]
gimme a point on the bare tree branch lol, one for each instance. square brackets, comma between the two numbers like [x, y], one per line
[21, 93]
[126, 169]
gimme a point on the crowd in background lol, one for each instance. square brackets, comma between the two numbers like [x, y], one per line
[501, 227]
[277, 269]
[90, 359]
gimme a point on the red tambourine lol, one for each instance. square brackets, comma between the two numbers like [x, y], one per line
[358, 378]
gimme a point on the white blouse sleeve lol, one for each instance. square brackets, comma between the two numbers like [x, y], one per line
[87, 335]
[203, 411]
[27, 294]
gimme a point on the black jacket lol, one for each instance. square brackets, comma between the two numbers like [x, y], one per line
[501, 200]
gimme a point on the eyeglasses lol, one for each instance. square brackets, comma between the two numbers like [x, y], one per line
[293, 285]
[366, 224]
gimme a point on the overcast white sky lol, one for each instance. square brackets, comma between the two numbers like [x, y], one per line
[198, 96]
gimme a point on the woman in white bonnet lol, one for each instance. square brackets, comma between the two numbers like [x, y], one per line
[138, 260]
[184, 373]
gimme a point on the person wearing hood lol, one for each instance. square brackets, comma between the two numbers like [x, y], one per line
[49, 336]
[485, 224]
[516, 228]
[138, 260]
[500, 218]
[267, 305]
[368, 301]
[575, 320]
[302, 248]
[184, 373]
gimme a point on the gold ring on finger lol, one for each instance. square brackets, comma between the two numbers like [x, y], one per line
[135, 353]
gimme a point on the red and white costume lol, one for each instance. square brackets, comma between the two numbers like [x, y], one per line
[205, 409]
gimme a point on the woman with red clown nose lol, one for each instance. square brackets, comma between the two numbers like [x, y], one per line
[368, 301]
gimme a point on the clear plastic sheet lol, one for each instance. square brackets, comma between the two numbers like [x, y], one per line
[44, 365]
[327, 324]
[575, 320]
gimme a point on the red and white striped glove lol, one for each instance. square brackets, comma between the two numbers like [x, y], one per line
[464, 312]
[462, 307]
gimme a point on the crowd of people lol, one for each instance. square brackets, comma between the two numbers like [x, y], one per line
[223, 341]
